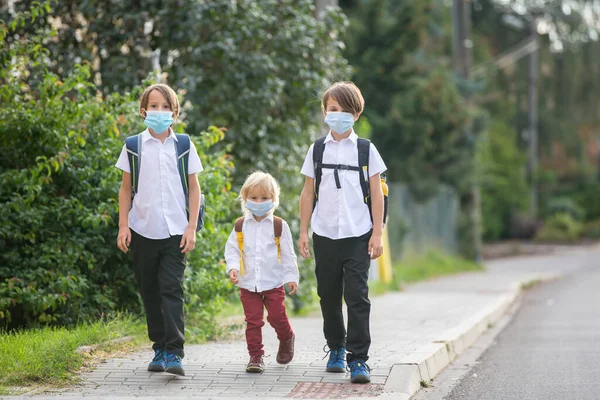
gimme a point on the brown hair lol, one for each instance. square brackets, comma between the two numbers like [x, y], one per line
[347, 94]
[168, 93]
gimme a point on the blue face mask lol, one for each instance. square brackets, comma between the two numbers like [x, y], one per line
[259, 209]
[339, 122]
[158, 121]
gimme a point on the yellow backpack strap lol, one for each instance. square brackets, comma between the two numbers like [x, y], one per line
[278, 228]
[239, 223]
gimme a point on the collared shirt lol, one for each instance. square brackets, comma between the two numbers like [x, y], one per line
[158, 209]
[341, 213]
[262, 269]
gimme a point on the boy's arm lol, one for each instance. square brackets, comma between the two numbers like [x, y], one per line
[194, 192]
[307, 198]
[125, 200]
[233, 255]
[188, 239]
[194, 198]
[124, 237]
[376, 203]
[375, 243]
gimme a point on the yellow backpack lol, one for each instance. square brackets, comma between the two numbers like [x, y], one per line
[277, 228]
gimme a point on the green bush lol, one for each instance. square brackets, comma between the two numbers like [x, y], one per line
[591, 230]
[59, 141]
[588, 200]
[254, 67]
[504, 191]
[564, 205]
[561, 227]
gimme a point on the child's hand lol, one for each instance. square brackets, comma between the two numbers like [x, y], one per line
[233, 276]
[292, 287]
[375, 246]
[124, 239]
[188, 240]
[303, 245]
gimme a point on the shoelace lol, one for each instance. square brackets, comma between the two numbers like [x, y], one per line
[173, 357]
[360, 366]
[158, 355]
[255, 359]
[337, 354]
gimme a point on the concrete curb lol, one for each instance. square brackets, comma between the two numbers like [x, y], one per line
[428, 361]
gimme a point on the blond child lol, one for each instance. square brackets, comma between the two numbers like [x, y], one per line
[155, 198]
[347, 224]
[260, 259]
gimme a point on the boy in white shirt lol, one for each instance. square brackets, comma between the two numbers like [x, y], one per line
[347, 204]
[260, 258]
[154, 222]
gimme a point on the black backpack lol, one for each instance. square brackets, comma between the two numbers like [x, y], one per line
[182, 146]
[364, 147]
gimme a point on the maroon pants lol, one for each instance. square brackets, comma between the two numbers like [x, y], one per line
[254, 304]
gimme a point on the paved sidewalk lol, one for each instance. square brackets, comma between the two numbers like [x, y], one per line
[415, 334]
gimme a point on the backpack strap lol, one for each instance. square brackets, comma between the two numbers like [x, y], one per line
[278, 228]
[133, 144]
[239, 223]
[318, 149]
[182, 146]
[364, 148]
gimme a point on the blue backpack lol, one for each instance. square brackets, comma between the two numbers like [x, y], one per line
[182, 146]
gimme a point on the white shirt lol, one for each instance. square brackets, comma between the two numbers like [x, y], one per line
[158, 209]
[341, 213]
[262, 269]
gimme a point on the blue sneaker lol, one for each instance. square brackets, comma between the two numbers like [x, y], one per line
[174, 365]
[359, 372]
[159, 362]
[337, 360]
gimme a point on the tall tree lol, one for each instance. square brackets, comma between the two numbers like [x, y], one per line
[569, 113]
[253, 67]
[400, 52]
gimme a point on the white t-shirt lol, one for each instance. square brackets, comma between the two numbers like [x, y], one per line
[341, 213]
[158, 209]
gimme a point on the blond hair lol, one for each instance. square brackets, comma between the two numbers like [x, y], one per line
[347, 94]
[262, 181]
[168, 93]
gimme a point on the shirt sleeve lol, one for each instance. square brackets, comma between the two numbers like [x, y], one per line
[288, 256]
[232, 252]
[194, 164]
[123, 161]
[376, 164]
[308, 168]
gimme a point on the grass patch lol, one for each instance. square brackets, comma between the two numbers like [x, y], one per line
[530, 284]
[426, 384]
[430, 265]
[48, 356]
[377, 288]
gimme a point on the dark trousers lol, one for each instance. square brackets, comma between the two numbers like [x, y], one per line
[254, 304]
[159, 270]
[342, 269]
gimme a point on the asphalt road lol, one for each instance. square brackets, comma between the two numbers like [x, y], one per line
[551, 348]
